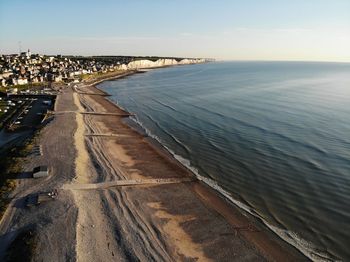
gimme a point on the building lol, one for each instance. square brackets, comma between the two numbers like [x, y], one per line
[40, 171]
[22, 81]
[3, 82]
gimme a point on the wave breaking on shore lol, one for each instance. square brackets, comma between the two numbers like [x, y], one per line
[292, 238]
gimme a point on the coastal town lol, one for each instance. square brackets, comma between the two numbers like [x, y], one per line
[25, 76]
[26, 68]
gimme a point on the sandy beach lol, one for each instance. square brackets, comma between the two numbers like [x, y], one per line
[163, 222]
[163, 214]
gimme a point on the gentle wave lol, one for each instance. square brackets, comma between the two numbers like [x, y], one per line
[307, 248]
[274, 136]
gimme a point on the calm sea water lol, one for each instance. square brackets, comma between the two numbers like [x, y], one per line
[274, 136]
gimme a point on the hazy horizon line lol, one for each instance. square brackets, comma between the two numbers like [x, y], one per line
[192, 57]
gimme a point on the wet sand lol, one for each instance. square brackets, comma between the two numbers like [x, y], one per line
[165, 222]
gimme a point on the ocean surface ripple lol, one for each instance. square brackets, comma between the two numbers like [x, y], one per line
[273, 137]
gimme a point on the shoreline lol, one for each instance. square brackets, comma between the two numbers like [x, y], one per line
[266, 241]
[94, 219]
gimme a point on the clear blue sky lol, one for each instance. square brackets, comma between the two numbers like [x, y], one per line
[241, 30]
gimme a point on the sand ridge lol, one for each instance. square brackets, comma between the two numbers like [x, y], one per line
[81, 161]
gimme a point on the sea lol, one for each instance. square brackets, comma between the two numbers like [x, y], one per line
[272, 137]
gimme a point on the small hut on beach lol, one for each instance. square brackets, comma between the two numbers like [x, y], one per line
[40, 171]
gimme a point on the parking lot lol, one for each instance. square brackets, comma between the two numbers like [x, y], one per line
[24, 111]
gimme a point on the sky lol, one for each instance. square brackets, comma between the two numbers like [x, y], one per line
[302, 30]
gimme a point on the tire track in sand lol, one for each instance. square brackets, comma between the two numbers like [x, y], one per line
[119, 213]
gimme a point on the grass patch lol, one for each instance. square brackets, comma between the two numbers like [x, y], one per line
[98, 75]
[11, 163]
[24, 87]
[22, 248]
[86, 76]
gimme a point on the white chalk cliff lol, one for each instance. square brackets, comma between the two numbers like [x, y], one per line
[140, 64]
